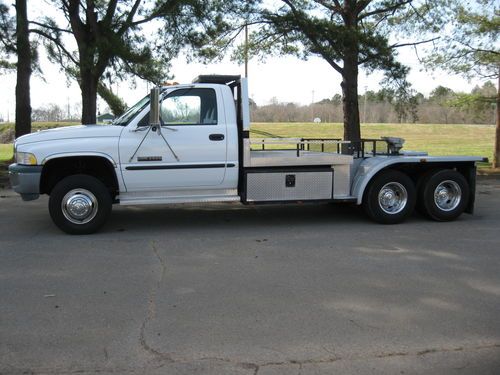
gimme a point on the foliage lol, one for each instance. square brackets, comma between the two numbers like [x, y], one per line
[117, 105]
[8, 47]
[7, 44]
[468, 45]
[469, 36]
[443, 105]
[114, 44]
[348, 35]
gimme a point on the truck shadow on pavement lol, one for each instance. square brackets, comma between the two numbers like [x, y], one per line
[221, 216]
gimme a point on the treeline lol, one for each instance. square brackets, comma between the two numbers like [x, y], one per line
[56, 113]
[442, 106]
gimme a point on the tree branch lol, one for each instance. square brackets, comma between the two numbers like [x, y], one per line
[414, 43]
[314, 40]
[57, 42]
[110, 12]
[392, 8]
[130, 17]
[45, 26]
[362, 5]
[333, 7]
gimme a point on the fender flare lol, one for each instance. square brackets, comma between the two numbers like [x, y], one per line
[372, 166]
[76, 154]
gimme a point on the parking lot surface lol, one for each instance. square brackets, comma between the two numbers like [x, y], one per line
[263, 290]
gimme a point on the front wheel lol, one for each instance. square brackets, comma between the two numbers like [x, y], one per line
[390, 197]
[444, 195]
[79, 204]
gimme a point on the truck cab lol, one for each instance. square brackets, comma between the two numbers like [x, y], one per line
[191, 143]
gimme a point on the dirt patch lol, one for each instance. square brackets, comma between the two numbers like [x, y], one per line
[489, 172]
[7, 136]
[4, 176]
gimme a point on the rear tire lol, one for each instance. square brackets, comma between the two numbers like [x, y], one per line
[444, 195]
[390, 197]
[80, 204]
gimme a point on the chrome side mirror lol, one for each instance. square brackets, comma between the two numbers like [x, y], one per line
[154, 113]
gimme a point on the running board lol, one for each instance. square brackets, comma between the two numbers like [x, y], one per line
[127, 199]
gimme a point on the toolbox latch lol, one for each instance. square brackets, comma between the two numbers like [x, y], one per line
[290, 180]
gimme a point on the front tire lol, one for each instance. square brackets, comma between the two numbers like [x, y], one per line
[80, 204]
[390, 197]
[444, 195]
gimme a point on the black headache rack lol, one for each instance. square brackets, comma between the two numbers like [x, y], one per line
[229, 80]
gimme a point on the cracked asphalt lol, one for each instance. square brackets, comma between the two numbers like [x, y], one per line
[250, 290]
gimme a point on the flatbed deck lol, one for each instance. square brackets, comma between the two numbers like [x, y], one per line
[277, 158]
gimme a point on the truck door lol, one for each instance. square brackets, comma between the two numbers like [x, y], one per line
[189, 152]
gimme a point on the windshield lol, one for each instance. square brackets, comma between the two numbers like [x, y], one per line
[133, 111]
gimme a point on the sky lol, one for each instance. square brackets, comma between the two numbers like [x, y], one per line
[286, 78]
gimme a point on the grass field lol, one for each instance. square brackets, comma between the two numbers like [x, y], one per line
[437, 139]
[5, 152]
[37, 126]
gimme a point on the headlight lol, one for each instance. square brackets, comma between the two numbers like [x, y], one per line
[25, 158]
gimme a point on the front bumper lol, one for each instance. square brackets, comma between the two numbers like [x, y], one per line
[25, 180]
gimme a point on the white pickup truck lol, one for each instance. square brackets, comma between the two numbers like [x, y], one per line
[191, 143]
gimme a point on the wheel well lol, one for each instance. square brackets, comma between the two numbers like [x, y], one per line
[56, 169]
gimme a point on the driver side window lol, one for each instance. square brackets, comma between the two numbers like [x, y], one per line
[187, 107]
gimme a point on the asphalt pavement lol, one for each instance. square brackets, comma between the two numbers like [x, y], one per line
[227, 289]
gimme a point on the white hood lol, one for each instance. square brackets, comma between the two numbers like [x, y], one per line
[71, 132]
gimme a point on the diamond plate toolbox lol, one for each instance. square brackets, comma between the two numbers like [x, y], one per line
[289, 185]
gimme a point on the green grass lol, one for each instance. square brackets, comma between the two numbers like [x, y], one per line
[6, 152]
[436, 139]
[6, 149]
[38, 126]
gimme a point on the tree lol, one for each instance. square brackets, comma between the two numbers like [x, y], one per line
[480, 102]
[24, 61]
[111, 41]
[348, 34]
[7, 35]
[117, 106]
[16, 41]
[468, 45]
[442, 97]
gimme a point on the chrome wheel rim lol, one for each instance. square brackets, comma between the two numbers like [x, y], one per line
[79, 206]
[392, 198]
[447, 195]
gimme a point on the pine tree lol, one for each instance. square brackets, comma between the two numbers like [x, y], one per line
[347, 34]
[112, 43]
[468, 45]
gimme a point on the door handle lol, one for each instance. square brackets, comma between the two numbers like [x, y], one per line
[216, 137]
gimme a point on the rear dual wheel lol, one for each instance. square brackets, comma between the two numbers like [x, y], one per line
[443, 195]
[390, 198]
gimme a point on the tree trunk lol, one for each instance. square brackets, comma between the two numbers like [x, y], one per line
[496, 152]
[352, 130]
[88, 86]
[23, 102]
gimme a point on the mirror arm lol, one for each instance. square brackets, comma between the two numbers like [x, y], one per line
[140, 144]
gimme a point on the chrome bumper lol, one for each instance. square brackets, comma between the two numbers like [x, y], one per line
[25, 180]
